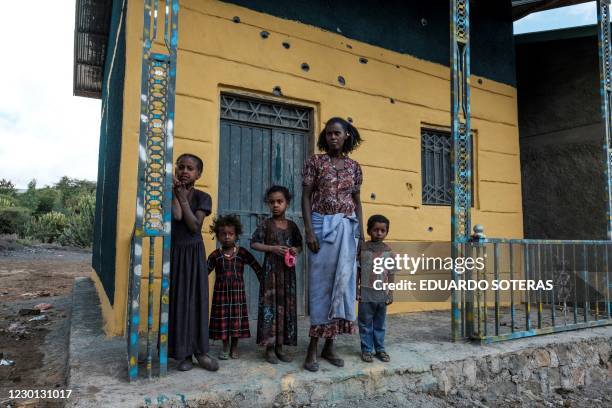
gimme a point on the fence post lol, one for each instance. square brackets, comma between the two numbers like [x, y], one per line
[475, 241]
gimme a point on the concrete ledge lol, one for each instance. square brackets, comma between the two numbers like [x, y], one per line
[423, 360]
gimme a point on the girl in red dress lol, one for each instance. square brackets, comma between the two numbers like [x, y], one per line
[229, 318]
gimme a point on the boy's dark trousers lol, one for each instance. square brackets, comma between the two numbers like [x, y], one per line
[372, 321]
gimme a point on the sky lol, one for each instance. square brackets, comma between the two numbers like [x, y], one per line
[46, 133]
[580, 14]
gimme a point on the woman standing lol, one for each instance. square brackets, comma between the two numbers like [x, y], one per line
[331, 208]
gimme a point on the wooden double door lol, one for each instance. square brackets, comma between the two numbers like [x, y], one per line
[262, 144]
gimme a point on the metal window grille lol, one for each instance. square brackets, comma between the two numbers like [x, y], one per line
[436, 167]
[92, 25]
[254, 111]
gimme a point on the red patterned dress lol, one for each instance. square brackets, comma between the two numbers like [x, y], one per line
[229, 315]
[332, 189]
[277, 317]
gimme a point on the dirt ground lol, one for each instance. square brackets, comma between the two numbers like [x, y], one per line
[30, 276]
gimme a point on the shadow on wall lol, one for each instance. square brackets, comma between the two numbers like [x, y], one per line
[563, 195]
[561, 134]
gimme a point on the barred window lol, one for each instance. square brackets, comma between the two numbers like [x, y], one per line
[436, 167]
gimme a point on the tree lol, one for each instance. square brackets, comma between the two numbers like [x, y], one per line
[7, 187]
[29, 198]
[47, 200]
[70, 189]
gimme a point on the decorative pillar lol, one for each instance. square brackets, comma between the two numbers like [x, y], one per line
[461, 143]
[154, 196]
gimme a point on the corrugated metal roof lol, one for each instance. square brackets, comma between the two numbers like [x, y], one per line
[91, 29]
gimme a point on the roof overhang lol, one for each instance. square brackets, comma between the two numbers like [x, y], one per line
[91, 30]
[522, 8]
[92, 26]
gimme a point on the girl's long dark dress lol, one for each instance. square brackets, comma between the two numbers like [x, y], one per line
[188, 318]
[277, 317]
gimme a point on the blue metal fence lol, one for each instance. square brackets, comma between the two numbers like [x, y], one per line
[543, 286]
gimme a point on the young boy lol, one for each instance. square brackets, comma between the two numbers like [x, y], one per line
[373, 302]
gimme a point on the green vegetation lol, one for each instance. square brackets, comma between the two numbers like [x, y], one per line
[62, 213]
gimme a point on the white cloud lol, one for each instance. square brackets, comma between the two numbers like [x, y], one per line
[571, 16]
[45, 132]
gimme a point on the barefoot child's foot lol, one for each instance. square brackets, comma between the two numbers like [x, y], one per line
[224, 353]
[234, 348]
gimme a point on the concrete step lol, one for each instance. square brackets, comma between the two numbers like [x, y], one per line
[423, 360]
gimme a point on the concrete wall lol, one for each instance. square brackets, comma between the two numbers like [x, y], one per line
[389, 99]
[561, 135]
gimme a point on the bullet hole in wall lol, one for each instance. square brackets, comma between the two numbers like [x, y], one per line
[305, 67]
[286, 45]
[264, 34]
[277, 91]
[373, 196]
[236, 19]
[363, 60]
[341, 80]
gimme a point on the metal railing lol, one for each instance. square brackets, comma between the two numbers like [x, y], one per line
[531, 287]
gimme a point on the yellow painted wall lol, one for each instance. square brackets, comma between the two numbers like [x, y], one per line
[217, 54]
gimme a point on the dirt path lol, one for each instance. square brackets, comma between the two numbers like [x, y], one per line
[39, 348]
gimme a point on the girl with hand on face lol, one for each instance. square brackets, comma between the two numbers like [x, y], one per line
[188, 317]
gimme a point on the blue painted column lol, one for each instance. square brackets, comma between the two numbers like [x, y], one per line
[461, 143]
[154, 195]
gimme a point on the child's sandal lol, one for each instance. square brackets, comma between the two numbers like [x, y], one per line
[382, 356]
[367, 357]
[223, 355]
